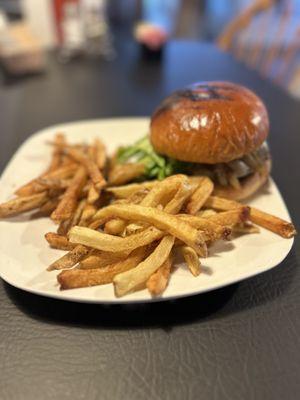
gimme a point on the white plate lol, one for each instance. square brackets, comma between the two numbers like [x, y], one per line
[25, 253]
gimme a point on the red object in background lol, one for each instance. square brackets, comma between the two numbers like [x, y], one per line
[59, 15]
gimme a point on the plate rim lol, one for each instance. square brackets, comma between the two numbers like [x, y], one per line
[123, 300]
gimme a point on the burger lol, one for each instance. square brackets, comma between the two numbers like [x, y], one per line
[216, 129]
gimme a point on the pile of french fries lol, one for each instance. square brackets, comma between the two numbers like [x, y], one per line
[127, 235]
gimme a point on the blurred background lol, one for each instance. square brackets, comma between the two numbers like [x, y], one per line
[262, 34]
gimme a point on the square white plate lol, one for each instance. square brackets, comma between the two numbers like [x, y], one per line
[25, 253]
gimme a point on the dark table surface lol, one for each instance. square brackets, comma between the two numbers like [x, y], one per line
[239, 342]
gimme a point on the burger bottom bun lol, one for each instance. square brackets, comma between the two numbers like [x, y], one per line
[249, 185]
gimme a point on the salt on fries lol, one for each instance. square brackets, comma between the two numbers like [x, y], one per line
[126, 235]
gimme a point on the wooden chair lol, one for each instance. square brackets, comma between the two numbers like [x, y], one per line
[276, 60]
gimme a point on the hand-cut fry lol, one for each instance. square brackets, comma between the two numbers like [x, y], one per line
[206, 213]
[100, 154]
[77, 278]
[123, 192]
[212, 230]
[78, 213]
[92, 168]
[22, 204]
[34, 186]
[69, 200]
[129, 280]
[49, 206]
[277, 225]
[105, 242]
[200, 196]
[182, 194]
[70, 259]
[158, 281]
[58, 241]
[164, 191]
[48, 183]
[191, 259]
[87, 214]
[99, 259]
[161, 220]
[232, 217]
[93, 195]
[123, 173]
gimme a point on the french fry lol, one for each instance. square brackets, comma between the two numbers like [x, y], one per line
[274, 224]
[77, 278]
[183, 193]
[35, 186]
[49, 206]
[123, 173]
[212, 230]
[232, 217]
[93, 195]
[22, 204]
[129, 280]
[206, 213]
[200, 196]
[192, 260]
[58, 241]
[105, 242]
[70, 259]
[87, 214]
[158, 281]
[125, 191]
[100, 259]
[69, 200]
[60, 184]
[161, 220]
[92, 168]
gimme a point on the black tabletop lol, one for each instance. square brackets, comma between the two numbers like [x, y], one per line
[239, 342]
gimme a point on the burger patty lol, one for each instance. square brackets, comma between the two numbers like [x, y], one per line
[230, 173]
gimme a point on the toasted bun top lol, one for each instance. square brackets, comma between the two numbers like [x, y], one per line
[209, 122]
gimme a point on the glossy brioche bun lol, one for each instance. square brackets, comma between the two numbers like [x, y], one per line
[209, 122]
[249, 184]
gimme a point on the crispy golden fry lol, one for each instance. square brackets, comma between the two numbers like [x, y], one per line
[100, 154]
[161, 220]
[92, 168]
[60, 184]
[232, 217]
[49, 206]
[77, 278]
[69, 199]
[99, 259]
[93, 195]
[212, 231]
[159, 280]
[129, 280]
[105, 242]
[22, 204]
[123, 173]
[87, 214]
[70, 259]
[206, 213]
[200, 196]
[58, 241]
[164, 190]
[78, 213]
[34, 186]
[277, 225]
[123, 192]
[183, 193]
[191, 259]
